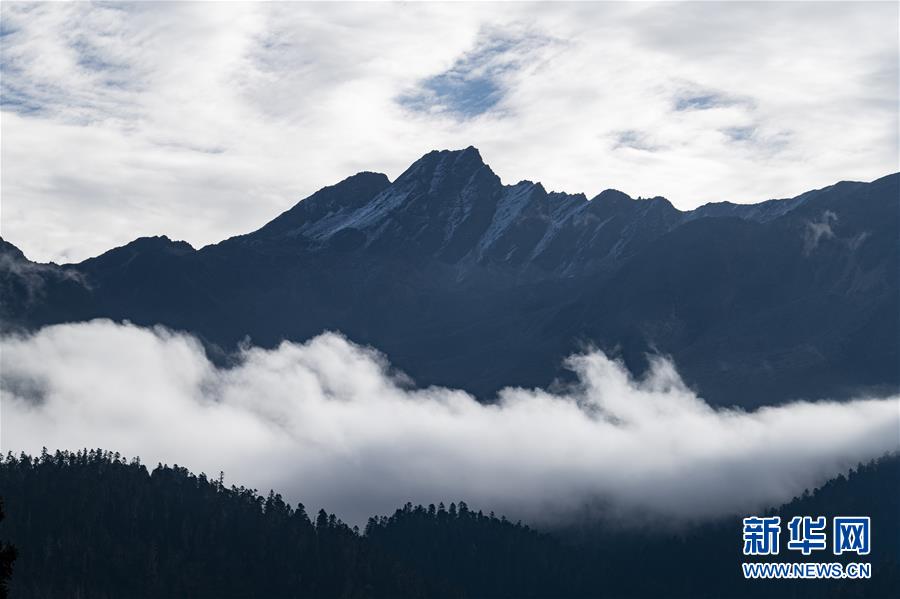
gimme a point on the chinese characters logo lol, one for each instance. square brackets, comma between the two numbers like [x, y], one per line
[850, 534]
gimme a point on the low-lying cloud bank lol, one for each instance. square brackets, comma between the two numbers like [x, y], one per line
[325, 423]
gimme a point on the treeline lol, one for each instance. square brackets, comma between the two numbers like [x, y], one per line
[92, 524]
[486, 557]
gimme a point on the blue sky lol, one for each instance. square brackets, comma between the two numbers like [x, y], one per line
[202, 121]
[475, 84]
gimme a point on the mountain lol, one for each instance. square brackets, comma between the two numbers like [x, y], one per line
[464, 281]
[93, 524]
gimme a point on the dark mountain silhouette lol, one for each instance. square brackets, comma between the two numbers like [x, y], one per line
[467, 282]
[91, 524]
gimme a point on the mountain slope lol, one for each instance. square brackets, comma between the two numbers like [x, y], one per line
[112, 528]
[464, 281]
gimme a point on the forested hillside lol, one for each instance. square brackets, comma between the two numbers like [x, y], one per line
[92, 524]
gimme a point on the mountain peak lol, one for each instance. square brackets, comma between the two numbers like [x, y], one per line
[439, 165]
[470, 153]
[157, 243]
[10, 251]
[611, 195]
[143, 248]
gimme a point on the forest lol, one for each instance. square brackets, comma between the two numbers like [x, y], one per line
[94, 524]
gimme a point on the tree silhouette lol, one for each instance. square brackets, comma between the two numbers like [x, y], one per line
[7, 557]
[92, 524]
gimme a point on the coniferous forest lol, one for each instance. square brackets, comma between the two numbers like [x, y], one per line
[93, 524]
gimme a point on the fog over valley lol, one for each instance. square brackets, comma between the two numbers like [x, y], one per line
[328, 423]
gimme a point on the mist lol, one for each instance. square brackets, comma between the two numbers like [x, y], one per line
[328, 423]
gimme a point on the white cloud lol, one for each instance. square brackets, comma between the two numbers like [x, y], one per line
[203, 120]
[816, 231]
[326, 424]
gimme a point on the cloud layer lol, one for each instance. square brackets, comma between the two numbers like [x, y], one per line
[327, 423]
[203, 121]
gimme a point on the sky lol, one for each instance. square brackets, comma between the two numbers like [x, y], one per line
[205, 120]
